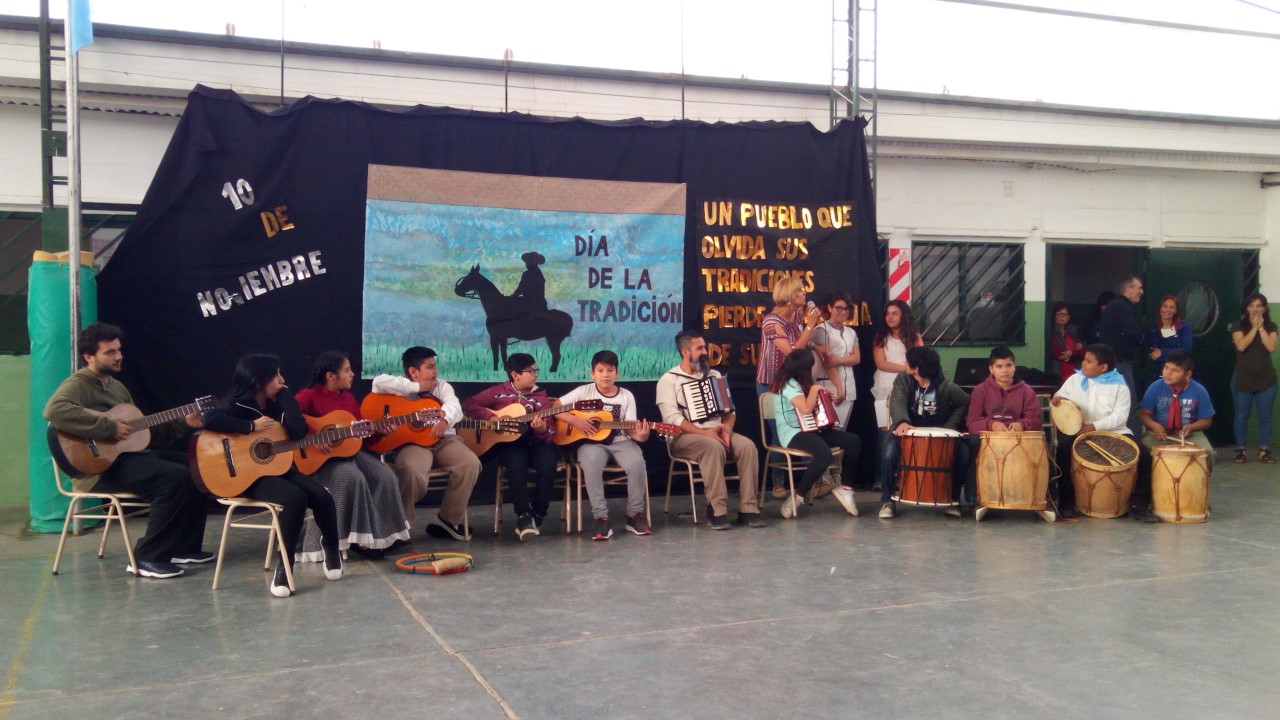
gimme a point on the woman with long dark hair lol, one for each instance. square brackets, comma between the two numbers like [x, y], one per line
[1254, 380]
[796, 394]
[1065, 347]
[1169, 333]
[259, 400]
[366, 492]
[897, 333]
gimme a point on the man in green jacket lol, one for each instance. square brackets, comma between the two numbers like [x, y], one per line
[175, 526]
[921, 397]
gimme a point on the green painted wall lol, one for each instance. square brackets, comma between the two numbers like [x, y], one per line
[1031, 354]
[14, 486]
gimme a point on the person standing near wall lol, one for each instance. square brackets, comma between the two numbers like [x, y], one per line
[896, 333]
[1169, 333]
[1065, 348]
[1119, 328]
[1255, 377]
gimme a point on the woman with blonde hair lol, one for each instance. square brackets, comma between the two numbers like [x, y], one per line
[787, 327]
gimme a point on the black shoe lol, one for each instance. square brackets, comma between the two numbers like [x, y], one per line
[369, 553]
[525, 527]
[1067, 513]
[755, 520]
[333, 564]
[396, 546]
[279, 585]
[717, 522]
[538, 518]
[157, 569]
[197, 557]
[1142, 514]
[444, 529]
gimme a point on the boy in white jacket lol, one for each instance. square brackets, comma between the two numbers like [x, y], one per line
[1104, 401]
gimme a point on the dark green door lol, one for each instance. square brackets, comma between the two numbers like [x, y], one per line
[1209, 285]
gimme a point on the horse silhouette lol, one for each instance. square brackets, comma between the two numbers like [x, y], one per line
[508, 318]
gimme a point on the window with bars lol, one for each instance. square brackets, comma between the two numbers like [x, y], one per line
[969, 293]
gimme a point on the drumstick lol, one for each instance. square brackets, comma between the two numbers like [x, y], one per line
[1110, 458]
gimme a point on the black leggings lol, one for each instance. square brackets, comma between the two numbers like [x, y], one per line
[819, 444]
[296, 492]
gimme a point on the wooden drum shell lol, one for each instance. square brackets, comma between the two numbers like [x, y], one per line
[1103, 491]
[1180, 483]
[926, 465]
[1013, 471]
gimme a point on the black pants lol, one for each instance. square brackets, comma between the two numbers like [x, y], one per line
[295, 493]
[516, 458]
[1066, 492]
[176, 523]
[819, 444]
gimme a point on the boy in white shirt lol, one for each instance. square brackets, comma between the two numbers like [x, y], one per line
[1102, 395]
[413, 462]
[621, 447]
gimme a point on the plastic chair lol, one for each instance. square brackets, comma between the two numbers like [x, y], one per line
[614, 476]
[789, 460]
[116, 507]
[274, 538]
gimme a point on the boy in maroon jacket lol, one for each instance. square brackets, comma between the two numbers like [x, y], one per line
[531, 449]
[999, 403]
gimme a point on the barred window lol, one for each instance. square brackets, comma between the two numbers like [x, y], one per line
[969, 293]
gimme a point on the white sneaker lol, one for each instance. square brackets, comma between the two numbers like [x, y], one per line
[886, 511]
[789, 507]
[845, 496]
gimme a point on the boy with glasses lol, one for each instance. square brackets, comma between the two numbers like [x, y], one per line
[531, 449]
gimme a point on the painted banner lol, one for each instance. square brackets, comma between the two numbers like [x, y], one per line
[480, 266]
[745, 247]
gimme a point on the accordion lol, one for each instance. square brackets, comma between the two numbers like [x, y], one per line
[707, 398]
[822, 417]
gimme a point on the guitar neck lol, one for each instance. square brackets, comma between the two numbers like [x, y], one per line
[160, 418]
[544, 412]
[384, 425]
[330, 435]
[473, 424]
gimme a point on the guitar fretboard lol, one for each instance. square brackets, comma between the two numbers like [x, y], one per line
[390, 422]
[473, 424]
[160, 418]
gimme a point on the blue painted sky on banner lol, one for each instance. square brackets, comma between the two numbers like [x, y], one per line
[415, 253]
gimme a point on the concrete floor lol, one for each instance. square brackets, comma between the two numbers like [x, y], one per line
[825, 617]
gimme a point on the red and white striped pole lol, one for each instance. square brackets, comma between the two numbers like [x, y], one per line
[900, 273]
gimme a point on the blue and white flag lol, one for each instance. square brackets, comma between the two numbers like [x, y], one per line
[81, 25]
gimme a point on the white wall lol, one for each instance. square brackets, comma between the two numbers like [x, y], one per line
[1031, 203]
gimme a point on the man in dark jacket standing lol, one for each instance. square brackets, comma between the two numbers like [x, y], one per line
[1119, 328]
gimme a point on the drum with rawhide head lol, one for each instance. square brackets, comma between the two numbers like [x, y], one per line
[926, 466]
[1013, 470]
[1180, 483]
[1104, 470]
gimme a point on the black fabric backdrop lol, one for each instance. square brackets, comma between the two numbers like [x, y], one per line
[312, 158]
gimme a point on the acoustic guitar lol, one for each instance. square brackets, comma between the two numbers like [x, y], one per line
[402, 420]
[226, 465]
[606, 429]
[483, 440]
[80, 457]
[339, 427]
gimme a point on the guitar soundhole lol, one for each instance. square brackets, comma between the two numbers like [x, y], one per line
[260, 451]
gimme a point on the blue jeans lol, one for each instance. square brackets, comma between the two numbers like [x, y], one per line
[1266, 400]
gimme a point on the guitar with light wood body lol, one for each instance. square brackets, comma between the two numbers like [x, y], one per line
[483, 440]
[226, 464]
[606, 428]
[80, 457]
